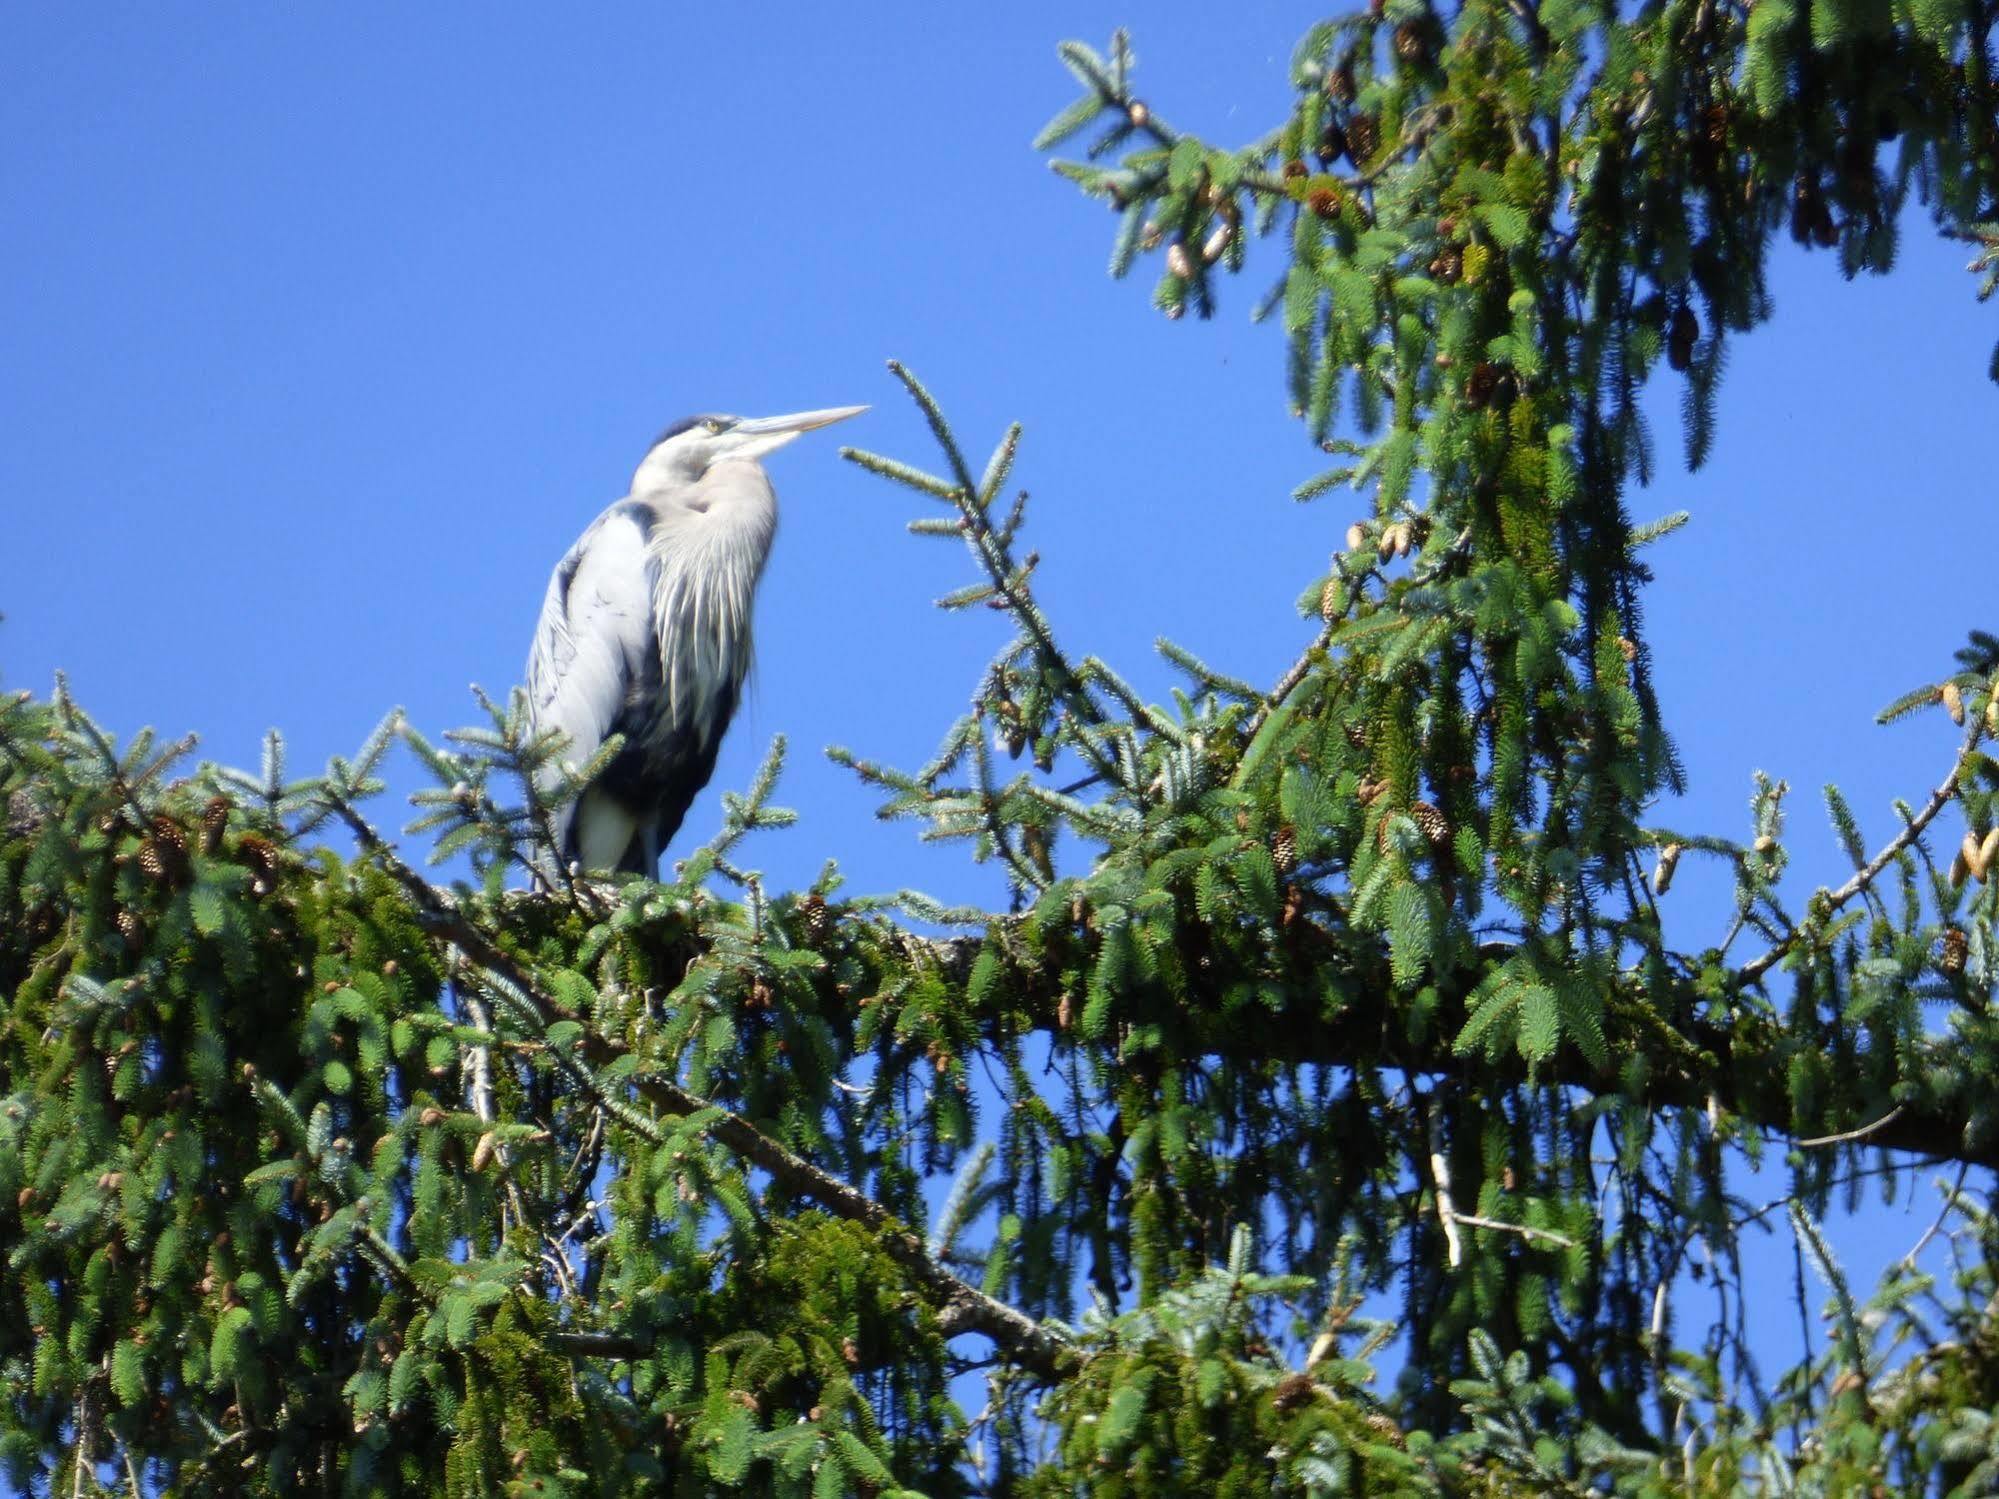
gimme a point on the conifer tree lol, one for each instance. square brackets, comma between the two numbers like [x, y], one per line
[1334, 1020]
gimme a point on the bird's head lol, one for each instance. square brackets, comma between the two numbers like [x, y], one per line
[688, 449]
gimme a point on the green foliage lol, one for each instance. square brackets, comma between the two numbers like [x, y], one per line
[317, 1175]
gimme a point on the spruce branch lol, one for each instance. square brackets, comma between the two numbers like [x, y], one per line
[1941, 796]
[960, 1306]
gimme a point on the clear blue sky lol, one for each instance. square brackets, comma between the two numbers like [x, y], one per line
[327, 330]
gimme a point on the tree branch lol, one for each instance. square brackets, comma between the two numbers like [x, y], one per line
[959, 1306]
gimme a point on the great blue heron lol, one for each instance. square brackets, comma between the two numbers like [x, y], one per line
[646, 631]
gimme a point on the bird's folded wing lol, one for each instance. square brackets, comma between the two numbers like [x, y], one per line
[596, 637]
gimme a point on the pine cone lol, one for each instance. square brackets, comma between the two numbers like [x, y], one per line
[1284, 849]
[1332, 144]
[1714, 122]
[816, 919]
[25, 817]
[131, 929]
[1415, 40]
[163, 853]
[1956, 948]
[1363, 138]
[1324, 202]
[1448, 264]
[1432, 822]
[1681, 337]
[214, 823]
[1480, 384]
[1340, 83]
[1662, 873]
[1294, 169]
[1292, 1390]
[260, 856]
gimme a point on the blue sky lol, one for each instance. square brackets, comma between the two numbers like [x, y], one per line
[327, 331]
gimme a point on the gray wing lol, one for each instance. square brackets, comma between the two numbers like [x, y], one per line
[596, 644]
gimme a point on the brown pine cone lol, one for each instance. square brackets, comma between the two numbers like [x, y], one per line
[1432, 822]
[1363, 138]
[214, 823]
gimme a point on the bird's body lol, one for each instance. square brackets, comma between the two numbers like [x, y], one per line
[645, 632]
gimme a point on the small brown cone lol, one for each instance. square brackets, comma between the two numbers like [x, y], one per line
[1956, 948]
[1292, 1390]
[1959, 870]
[1284, 849]
[1363, 138]
[214, 823]
[131, 929]
[1953, 701]
[1433, 824]
[260, 855]
[1329, 599]
[1988, 852]
[1480, 383]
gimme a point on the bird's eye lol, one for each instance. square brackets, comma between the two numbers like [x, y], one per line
[714, 427]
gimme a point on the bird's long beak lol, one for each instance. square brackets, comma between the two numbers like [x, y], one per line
[765, 434]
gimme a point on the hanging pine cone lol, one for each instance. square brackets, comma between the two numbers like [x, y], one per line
[24, 816]
[1294, 169]
[1953, 701]
[1324, 202]
[1480, 384]
[1811, 220]
[816, 919]
[1448, 264]
[1415, 41]
[1431, 822]
[1681, 337]
[214, 823]
[1293, 1389]
[1284, 849]
[1340, 84]
[1956, 948]
[1363, 138]
[1714, 125]
[1332, 143]
[260, 856]
[131, 929]
[163, 852]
